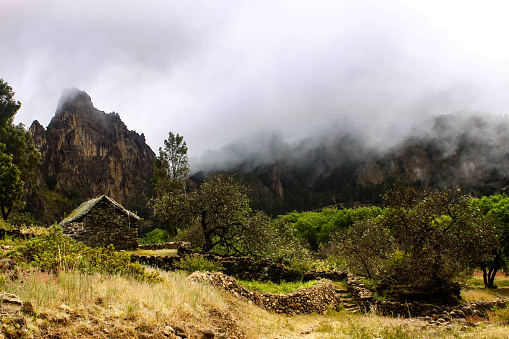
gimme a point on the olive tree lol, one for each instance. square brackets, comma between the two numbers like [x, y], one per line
[425, 240]
[223, 209]
[219, 206]
[438, 236]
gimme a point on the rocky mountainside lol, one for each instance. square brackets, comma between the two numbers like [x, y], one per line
[467, 150]
[85, 153]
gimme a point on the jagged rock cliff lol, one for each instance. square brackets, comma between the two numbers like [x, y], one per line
[86, 152]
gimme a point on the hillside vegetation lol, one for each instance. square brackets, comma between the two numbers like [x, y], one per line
[108, 301]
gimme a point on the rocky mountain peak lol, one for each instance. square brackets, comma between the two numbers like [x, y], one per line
[89, 152]
[73, 98]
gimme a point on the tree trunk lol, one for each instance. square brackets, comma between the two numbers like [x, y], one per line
[484, 275]
[489, 273]
[6, 212]
[208, 239]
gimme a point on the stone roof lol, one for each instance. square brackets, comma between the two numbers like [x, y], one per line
[85, 207]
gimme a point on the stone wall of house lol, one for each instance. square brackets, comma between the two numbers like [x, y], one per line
[315, 299]
[104, 225]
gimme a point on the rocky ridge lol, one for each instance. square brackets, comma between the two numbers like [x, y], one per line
[86, 152]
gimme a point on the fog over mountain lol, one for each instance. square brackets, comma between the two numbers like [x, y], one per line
[218, 71]
[466, 149]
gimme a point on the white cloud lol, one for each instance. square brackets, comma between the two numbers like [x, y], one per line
[214, 71]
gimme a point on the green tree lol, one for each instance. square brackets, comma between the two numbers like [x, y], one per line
[423, 240]
[497, 207]
[19, 155]
[223, 209]
[437, 236]
[172, 164]
[11, 185]
[172, 204]
[8, 106]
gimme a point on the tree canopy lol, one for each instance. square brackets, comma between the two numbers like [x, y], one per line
[18, 155]
[172, 204]
[223, 208]
[8, 106]
[424, 239]
[496, 207]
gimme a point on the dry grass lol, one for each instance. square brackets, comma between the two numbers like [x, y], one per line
[76, 305]
[125, 305]
[162, 253]
[344, 325]
[70, 305]
[479, 294]
[476, 290]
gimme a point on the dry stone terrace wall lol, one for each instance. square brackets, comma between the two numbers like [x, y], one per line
[367, 303]
[245, 268]
[315, 299]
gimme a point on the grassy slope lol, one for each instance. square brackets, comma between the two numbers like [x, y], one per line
[71, 304]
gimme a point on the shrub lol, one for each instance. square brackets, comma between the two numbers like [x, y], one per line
[198, 263]
[58, 253]
[281, 288]
[157, 236]
[23, 219]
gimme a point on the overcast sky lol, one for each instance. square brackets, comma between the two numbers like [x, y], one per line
[214, 71]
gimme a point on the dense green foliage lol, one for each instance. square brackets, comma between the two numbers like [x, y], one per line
[8, 106]
[156, 236]
[55, 252]
[18, 156]
[317, 227]
[426, 240]
[172, 205]
[496, 207]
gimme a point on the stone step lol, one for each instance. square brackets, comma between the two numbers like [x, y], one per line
[347, 300]
[349, 306]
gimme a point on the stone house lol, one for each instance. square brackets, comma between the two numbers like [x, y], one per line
[102, 221]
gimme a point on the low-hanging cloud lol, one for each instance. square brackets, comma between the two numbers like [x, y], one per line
[217, 71]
